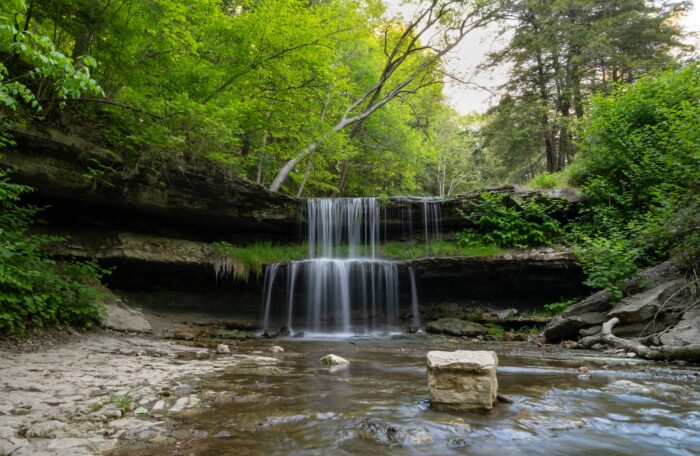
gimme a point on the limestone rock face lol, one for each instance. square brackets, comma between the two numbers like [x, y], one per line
[121, 317]
[456, 327]
[462, 380]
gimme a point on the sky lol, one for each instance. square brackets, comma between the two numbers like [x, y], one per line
[465, 58]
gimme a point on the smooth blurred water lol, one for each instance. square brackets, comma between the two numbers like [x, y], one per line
[297, 407]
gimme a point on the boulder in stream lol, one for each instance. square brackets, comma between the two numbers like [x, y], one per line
[333, 360]
[462, 380]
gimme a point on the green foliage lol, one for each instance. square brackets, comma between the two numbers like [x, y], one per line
[251, 258]
[556, 308]
[123, 402]
[495, 330]
[35, 290]
[544, 180]
[436, 248]
[42, 61]
[607, 262]
[640, 171]
[512, 221]
[559, 52]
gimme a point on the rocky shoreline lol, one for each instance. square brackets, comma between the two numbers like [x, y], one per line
[83, 397]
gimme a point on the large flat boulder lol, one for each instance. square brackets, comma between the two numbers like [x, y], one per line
[462, 380]
[455, 327]
[645, 306]
[686, 331]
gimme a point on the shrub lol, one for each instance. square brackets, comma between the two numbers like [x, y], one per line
[544, 180]
[558, 307]
[35, 290]
[640, 171]
[512, 222]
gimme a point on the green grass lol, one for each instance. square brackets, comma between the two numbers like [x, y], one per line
[437, 248]
[495, 330]
[123, 402]
[242, 261]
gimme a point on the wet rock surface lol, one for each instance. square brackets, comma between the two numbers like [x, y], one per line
[462, 380]
[456, 327]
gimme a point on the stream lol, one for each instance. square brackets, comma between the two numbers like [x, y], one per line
[618, 407]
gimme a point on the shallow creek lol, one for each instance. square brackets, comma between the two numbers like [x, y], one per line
[618, 407]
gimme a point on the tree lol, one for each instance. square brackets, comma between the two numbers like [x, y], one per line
[562, 51]
[411, 61]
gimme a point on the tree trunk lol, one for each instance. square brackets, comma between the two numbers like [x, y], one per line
[546, 128]
[289, 166]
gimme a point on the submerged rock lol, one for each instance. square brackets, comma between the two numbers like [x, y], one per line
[456, 327]
[333, 360]
[462, 380]
[379, 432]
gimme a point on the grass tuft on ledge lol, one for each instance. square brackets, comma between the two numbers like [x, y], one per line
[242, 261]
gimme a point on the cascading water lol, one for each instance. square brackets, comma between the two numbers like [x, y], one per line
[343, 287]
[415, 311]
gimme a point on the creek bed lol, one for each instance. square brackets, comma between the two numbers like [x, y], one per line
[618, 407]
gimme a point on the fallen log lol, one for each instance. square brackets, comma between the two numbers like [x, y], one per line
[665, 352]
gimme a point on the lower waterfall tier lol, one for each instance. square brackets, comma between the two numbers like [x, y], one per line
[329, 295]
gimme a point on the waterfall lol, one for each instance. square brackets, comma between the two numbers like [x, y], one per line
[431, 220]
[344, 287]
[414, 299]
[270, 274]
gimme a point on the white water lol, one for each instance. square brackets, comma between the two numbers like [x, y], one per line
[343, 288]
[415, 311]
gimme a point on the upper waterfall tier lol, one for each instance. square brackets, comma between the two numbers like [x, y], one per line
[335, 222]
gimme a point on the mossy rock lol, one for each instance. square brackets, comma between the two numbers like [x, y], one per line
[456, 327]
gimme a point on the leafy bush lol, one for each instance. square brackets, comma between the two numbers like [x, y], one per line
[35, 290]
[512, 222]
[640, 171]
[544, 180]
[558, 307]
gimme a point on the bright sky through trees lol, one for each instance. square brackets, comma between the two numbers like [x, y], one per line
[473, 49]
